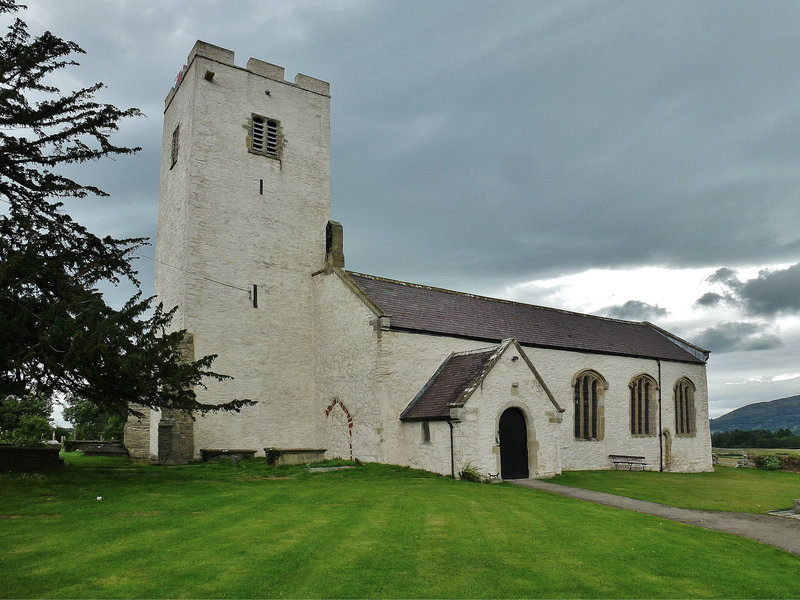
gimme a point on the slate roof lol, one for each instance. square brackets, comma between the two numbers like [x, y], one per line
[451, 385]
[427, 309]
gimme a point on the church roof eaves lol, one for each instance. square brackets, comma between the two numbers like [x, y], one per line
[451, 385]
[427, 309]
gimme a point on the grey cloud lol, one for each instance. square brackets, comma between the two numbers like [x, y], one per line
[520, 143]
[634, 310]
[773, 292]
[769, 294]
[725, 276]
[710, 299]
[732, 336]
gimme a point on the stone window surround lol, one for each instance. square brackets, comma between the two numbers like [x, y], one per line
[175, 146]
[648, 404]
[425, 432]
[594, 381]
[264, 136]
[684, 405]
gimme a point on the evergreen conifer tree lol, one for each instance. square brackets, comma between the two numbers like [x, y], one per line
[58, 335]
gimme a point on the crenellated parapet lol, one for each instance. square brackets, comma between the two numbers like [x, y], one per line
[255, 66]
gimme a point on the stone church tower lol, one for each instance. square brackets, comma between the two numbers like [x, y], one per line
[363, 366]
[243, 207]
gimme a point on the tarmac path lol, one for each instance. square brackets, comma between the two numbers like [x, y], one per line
[780, 531]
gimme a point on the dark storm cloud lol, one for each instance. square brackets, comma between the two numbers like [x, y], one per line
[771, 293]
[478, 145]
[710, 299]
[725, 276]
[567, 150]
[634, 310]
[503, 144]
[732, 336]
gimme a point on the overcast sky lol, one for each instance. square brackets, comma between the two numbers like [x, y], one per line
[631, 159]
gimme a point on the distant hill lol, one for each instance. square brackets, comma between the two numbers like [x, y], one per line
[784, 412]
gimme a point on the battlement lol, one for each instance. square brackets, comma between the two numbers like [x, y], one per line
[254, 65]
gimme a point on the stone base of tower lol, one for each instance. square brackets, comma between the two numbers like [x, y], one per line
[175, 438]
[137, 433]
[175, 431]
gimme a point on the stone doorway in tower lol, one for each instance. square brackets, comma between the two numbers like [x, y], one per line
[513, 444]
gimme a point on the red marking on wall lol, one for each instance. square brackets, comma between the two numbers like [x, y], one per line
[337, 402]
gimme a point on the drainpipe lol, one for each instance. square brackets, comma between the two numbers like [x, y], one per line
[452, 453]
[660, 434]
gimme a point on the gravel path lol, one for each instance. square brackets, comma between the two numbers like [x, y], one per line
[780, 531]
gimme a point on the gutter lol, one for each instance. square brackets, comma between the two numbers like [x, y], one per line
[452, 453]
[660, 430]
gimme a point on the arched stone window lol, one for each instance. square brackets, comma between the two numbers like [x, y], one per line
[643, 405]
[589, 410]
[684, 407]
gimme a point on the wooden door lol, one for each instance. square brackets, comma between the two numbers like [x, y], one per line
[513, 445]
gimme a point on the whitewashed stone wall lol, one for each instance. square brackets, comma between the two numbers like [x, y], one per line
[377, 373]
[690, 453]
[477, 434]
[214, 221]
[558, 369]
[346, 348]
[431, 456]
[313, 354]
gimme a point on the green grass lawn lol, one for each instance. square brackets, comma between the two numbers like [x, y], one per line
[214, 530]
[740, 490]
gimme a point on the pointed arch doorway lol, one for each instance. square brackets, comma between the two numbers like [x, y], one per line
[513, 444]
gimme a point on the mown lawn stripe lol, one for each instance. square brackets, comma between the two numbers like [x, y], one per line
[374, 531]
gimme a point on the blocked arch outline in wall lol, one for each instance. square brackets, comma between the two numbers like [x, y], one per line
[602, 387]
[328, 410]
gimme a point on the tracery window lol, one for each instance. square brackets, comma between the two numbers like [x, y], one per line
[589, 388]
[644, 390]
[684, 407]
[264, 136]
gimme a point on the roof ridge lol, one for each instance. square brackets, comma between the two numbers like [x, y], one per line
[485, 349]
[669, 334]
[493, 299]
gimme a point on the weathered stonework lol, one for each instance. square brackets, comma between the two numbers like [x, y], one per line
[137, 433]
[321, 358]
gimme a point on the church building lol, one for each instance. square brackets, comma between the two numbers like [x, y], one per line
[362, 366]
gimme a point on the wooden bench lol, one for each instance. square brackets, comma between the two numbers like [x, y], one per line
[209, 454]
[631, 461]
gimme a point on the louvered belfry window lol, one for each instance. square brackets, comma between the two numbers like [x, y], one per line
[264, 136]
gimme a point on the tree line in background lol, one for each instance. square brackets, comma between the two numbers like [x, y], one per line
[756, 438]
[27, 421]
